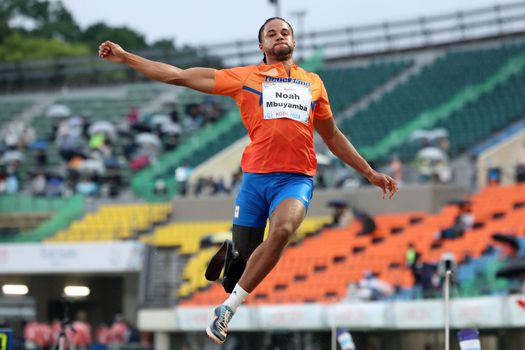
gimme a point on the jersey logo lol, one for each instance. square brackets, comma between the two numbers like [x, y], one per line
[236, 211]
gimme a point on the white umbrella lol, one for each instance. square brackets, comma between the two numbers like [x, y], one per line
[438, 133]
[147, 138]
[160, 119]
[323, 159]
[12, 156]
[431, 154]
[428, 134]
[102, 126]
[91, 165]
[58, 111]
[171, 128]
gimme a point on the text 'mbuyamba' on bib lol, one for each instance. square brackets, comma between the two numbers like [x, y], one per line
[287, 99]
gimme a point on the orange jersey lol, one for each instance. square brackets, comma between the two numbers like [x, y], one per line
[278, 111]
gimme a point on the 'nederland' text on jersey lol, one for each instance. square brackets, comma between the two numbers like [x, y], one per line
[286, 80]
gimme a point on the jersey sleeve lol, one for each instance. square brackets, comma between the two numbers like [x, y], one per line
[322, 109]
[229, 82]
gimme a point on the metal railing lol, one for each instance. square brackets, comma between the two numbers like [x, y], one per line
[497, 20]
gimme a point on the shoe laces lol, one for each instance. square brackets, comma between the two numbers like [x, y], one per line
[224, 317]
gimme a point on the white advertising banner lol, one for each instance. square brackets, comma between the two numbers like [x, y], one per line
[516, 310]
[198, 318]
[192, 318]
[359, 315]
[29, 258]
[292, 316]
[426, 314]
[481, 312]
[160, 320]
[476, 312]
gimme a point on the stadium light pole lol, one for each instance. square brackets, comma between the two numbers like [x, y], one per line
[277, 5]
[301, 35]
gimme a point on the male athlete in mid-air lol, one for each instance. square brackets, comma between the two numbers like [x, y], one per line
[281, 104]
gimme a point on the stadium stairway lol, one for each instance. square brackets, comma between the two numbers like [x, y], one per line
[308, 273]
[20, 109]
[164, 266]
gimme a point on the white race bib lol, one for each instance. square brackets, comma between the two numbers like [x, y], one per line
[286, 100]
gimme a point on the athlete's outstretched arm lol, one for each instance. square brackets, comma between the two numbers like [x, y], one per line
[201, 79]
[344, 150]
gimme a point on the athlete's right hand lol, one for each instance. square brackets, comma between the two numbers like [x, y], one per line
[111, 52]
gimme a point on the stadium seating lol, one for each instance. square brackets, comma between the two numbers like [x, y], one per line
[23, 213]
[192, 151]
[97, 107]
[188, 237]
[340, 82]
[114, 222]
[303, 260]
[10, 107]
[492, 111]
[27, 219]
[347, 85]
[432, 87]
[309, 273]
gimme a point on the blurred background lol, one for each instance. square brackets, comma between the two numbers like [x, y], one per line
[115, 191]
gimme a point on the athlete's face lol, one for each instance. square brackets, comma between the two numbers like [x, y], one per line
[277, 40]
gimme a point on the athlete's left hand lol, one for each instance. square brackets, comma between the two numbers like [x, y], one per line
[385, 182]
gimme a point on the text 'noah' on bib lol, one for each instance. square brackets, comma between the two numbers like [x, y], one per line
[286, 100]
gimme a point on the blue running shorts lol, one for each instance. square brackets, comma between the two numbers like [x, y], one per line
[261, 193]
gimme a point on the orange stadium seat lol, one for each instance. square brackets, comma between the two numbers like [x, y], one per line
[321, 267]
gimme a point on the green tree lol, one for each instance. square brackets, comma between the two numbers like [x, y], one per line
[58, 23]
[48, 19]
[17, 47]
[127, 37]
[164, 44]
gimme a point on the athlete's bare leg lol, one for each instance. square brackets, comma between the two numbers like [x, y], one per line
[285, 220]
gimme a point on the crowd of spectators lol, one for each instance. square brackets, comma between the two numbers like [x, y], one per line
[93, 156]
